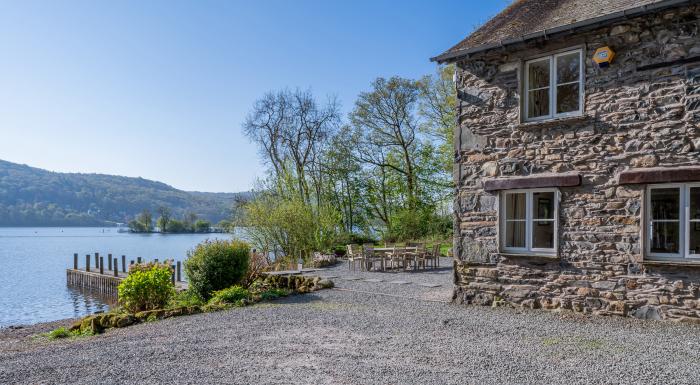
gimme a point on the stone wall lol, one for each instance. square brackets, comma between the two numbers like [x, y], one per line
[642, 111]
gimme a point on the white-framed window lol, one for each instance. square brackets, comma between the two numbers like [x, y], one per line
[529, 221]
[554, 86]
[673, 221]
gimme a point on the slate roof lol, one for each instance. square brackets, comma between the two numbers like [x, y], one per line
[525, 18]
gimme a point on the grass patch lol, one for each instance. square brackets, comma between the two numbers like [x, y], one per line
[62, 333]
[590, 344]
[273, 294]
[551, 341]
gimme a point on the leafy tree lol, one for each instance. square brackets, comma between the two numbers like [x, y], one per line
[202, 226]
[165, 215]
[386, 120]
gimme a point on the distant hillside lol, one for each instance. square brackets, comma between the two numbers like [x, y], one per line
[34, 197]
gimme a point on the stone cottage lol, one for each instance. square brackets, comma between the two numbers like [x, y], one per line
[577, 162]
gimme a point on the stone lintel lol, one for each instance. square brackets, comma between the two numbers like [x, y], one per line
[569, 179]
[660, 175]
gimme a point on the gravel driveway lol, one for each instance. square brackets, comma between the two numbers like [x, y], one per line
[364, 333]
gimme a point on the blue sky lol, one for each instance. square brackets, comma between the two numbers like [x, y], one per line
[159, 89]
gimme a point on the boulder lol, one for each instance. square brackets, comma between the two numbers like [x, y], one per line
[647, 312]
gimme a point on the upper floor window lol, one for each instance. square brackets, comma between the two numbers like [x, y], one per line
[554, 86]
[529, 221]
[673, 219]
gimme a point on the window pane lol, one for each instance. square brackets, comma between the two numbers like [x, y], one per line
[665, 237]
[568, 68]
[538, 103]
[543, 205]
[515, 234]
[543, 234]
[538, 74]
[694, 240]
[515, 206]
[694, 203]
[665, 203]
[567, 98]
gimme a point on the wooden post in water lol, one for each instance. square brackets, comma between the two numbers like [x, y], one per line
[156, 260]
[116, 268]
[87, 262]
[97, 260]
[124, 263]
[109, 261]
[179, 277]
[75, 261]
[102, 265]
[172, 277]
[138, 260]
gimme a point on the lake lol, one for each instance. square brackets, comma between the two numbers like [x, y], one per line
[33, 264]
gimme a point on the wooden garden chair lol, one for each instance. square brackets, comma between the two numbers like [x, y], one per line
[354, 256]
[371, 258]
[434, 256]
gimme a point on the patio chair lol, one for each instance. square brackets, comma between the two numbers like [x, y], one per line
[434, 256]
[394, 257]
[354, 256]
[417, 256]
[371, 258]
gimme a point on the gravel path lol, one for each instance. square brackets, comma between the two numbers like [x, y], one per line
[352, 335]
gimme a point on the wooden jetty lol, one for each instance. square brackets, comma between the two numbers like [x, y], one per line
[95, 275]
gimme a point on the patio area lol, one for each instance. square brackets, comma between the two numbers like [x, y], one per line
[432, 284]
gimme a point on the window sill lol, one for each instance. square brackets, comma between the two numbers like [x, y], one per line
[543, 257]
[672, 262]
[552, 122]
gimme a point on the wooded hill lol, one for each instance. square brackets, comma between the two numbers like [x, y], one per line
[34, 197]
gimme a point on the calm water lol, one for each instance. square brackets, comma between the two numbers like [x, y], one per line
[33, 264]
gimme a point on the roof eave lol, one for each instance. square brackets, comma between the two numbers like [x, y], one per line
[449, 57]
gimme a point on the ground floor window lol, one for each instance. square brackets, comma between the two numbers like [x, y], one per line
[673, 219]
[529, 221]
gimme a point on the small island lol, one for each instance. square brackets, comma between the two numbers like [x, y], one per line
[166, 224]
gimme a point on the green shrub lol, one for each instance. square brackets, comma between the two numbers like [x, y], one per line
[59, 333]
[185, 298]
[146, 289]
[216, 265]
[232, 295]
[273, 294]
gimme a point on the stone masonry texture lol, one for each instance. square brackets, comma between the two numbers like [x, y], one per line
[642, 111]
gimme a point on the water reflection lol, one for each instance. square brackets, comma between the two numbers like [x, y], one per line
[86, 301]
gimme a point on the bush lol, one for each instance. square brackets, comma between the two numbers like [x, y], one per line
[233, 295]
[146, 289]
[273, 293]
[185, 298]
[216, 265]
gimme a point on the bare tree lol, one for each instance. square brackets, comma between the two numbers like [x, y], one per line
[290, 129]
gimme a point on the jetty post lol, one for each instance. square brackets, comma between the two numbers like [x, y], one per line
[97, 260]
[123, 263]
[102, 265]
[109, 261]
[116, 268]
[87, 262]
[179, 277]
[75, 261]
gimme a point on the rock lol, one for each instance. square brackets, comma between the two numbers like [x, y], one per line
[325, 284]
[647, 312]
[645, 161]
[489, 169]
[604, 285]
[619, 29]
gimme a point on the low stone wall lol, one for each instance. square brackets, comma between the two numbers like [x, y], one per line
[658, 292]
